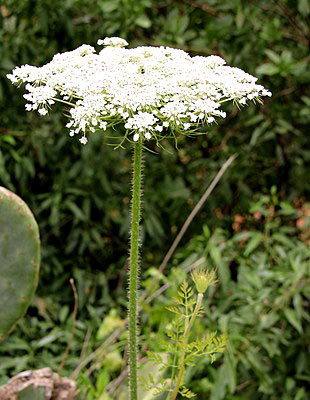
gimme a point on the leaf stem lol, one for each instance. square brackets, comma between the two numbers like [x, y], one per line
[173, 369]
[183, 353]
[134, 271]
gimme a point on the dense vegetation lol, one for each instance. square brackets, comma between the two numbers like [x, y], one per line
[254, 227]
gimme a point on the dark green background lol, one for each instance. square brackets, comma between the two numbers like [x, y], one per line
[80, 194]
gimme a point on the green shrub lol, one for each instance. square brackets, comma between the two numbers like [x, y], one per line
[262, 304]
[83, 211]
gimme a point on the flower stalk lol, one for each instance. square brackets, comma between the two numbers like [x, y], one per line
[134, 271]
[181, 366]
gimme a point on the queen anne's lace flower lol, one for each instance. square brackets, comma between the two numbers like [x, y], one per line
[147, 89]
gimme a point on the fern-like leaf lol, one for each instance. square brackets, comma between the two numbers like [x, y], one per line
[175, 310]
[185, 392]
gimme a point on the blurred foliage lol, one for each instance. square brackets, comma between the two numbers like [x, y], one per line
[262, 303]
[80, 195]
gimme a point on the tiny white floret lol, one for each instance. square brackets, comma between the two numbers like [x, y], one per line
[112, 41]
[83, 140]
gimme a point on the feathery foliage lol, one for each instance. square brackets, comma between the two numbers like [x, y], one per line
[180, 350]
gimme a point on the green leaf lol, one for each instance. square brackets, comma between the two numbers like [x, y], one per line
[185, 392]
[254, 242]
[283, 239]
[274, 57]
[109, 6]
[267, 69]
[219, 388]
[297, 301]
[52, 337]
[230, 373]
[102, 380]
[76, 211]
[304, 7]
[293, 319]
[266, 321]
[144, 22]
[206, 231]
[222, 267]
[8, 139]
[301, 394]
[63, 313]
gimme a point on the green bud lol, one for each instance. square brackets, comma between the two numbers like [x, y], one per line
[203, 279]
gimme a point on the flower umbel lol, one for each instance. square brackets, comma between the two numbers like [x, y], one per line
[203, 279]
[154, 92]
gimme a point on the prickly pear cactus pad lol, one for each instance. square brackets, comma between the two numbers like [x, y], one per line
[19, 259]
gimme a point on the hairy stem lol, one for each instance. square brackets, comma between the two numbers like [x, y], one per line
[134, 272]
[183, 353]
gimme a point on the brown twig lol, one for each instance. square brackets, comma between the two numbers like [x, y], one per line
[85, 345]
[110, 340]
[204, 7]
[65, 355]
[287, 12]
[113, 385]
[283, 11]
[194, 212]
[296, 38]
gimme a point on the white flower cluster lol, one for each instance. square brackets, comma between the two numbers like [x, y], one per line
[150, 90]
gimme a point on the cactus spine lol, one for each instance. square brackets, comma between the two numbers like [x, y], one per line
[19, 259]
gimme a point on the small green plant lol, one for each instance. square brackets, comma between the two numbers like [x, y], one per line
[183, 352]
[262, 303]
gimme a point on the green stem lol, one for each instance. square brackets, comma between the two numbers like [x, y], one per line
[183, 353]
[173, 370]
[134, 271]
